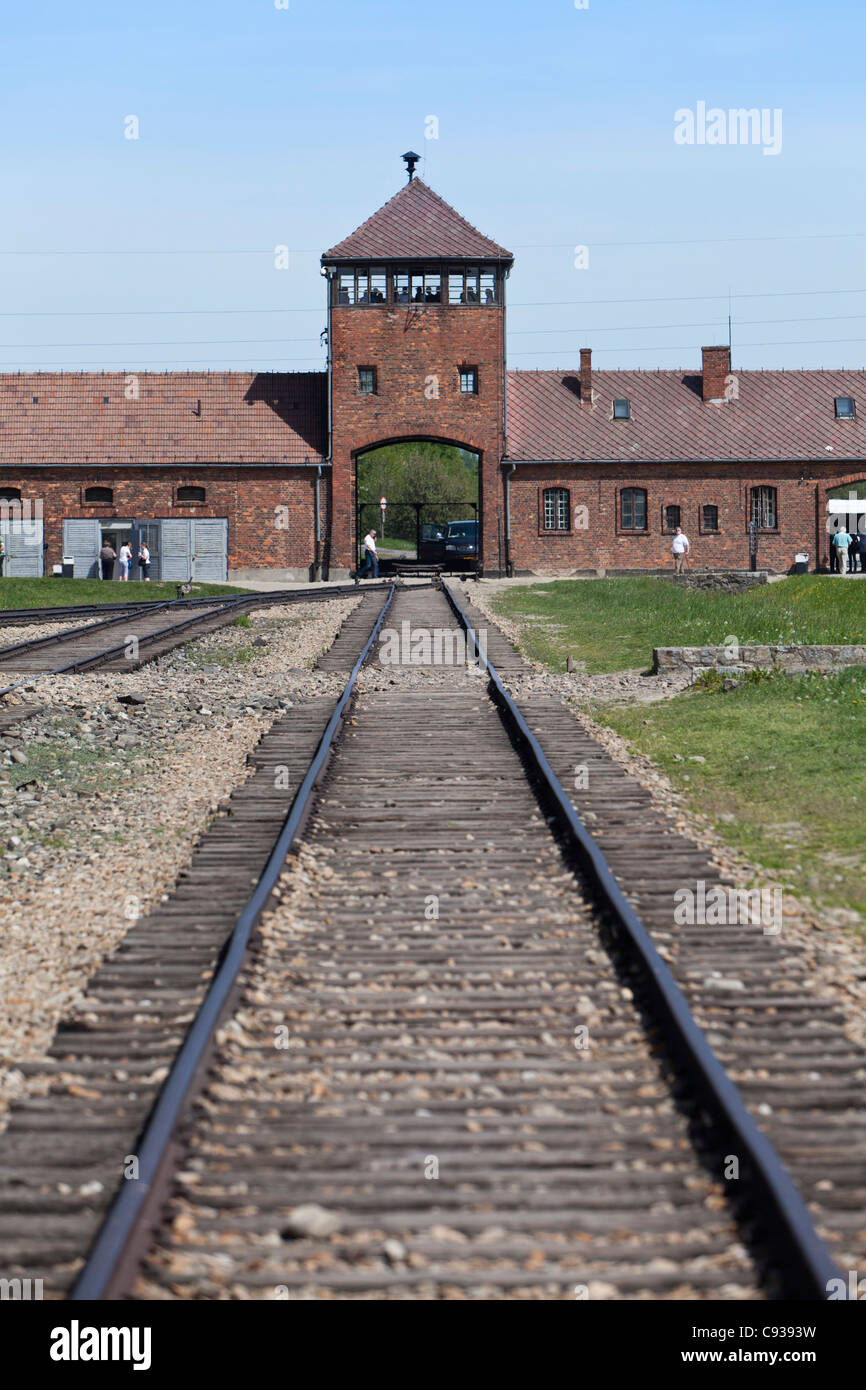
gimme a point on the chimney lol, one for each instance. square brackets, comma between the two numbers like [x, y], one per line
[586, 376]
[716, 369]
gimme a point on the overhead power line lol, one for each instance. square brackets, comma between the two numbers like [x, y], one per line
[520, 304]
[520, 246]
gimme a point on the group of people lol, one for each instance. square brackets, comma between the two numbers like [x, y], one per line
[108, 555]
[846, 550]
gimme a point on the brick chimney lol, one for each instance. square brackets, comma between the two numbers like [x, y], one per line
[716, 368]
[586, 376]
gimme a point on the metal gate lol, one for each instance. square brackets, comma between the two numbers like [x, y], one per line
[419, 532]
[22, 537]
[83, 540]
[193, 549]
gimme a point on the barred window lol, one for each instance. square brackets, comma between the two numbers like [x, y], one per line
[764, 508]
[709, 518]
[367, 381]
[673, 517]
[555, 508]
[633, 509]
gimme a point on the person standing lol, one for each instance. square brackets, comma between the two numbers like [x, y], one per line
[107, 557]
[125, 559]
[144, 562]
[371, 556]
[679, 549]
[841, 542]
[2, 555]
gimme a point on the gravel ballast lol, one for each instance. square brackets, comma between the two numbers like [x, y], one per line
[104, 795]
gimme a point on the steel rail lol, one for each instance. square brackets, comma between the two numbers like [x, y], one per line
[806, 1265]
[116, 1251]
[12, 616]
[88, 662]
[69, 634]
[233, 602]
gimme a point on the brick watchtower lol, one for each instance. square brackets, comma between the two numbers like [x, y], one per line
[416, 317]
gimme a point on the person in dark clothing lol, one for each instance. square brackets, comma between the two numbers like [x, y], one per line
[107, 557]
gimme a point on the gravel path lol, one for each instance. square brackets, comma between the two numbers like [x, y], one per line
[103, 796]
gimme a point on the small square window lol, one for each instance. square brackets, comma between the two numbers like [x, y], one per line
[709, 518]
[367, 381]
[105, 400]
[844, 407]
[469, 381]
[621, 409]
[35, 400]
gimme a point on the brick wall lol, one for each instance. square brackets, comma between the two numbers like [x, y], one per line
[410, 346]
[603, 543]
[248, 497]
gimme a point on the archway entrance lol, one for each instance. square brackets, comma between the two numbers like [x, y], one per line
[431, 514]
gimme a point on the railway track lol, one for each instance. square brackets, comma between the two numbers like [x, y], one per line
[25, 617]
[451, 1062]
[127, 640]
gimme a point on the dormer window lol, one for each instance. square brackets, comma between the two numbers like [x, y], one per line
[621, 409]
[844, 407]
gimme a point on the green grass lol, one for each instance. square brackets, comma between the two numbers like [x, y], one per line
[783, 779]
[226, 657]
[50, 592]
[83, 767]
[613, 624]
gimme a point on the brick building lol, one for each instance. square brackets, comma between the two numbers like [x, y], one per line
[230, 474]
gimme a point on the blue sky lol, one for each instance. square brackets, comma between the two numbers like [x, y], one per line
[262, 126]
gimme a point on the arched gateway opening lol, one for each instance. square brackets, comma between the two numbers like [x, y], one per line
[432, 512]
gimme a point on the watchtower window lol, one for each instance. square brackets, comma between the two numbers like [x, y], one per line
[378, 285]
[346, 287]
[469, 381]
[426, 287]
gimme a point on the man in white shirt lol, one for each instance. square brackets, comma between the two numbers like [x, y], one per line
[371, 558]
[680, 549]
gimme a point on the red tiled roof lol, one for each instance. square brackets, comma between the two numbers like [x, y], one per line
[780, 415]
[417, 223]
[246, 417]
